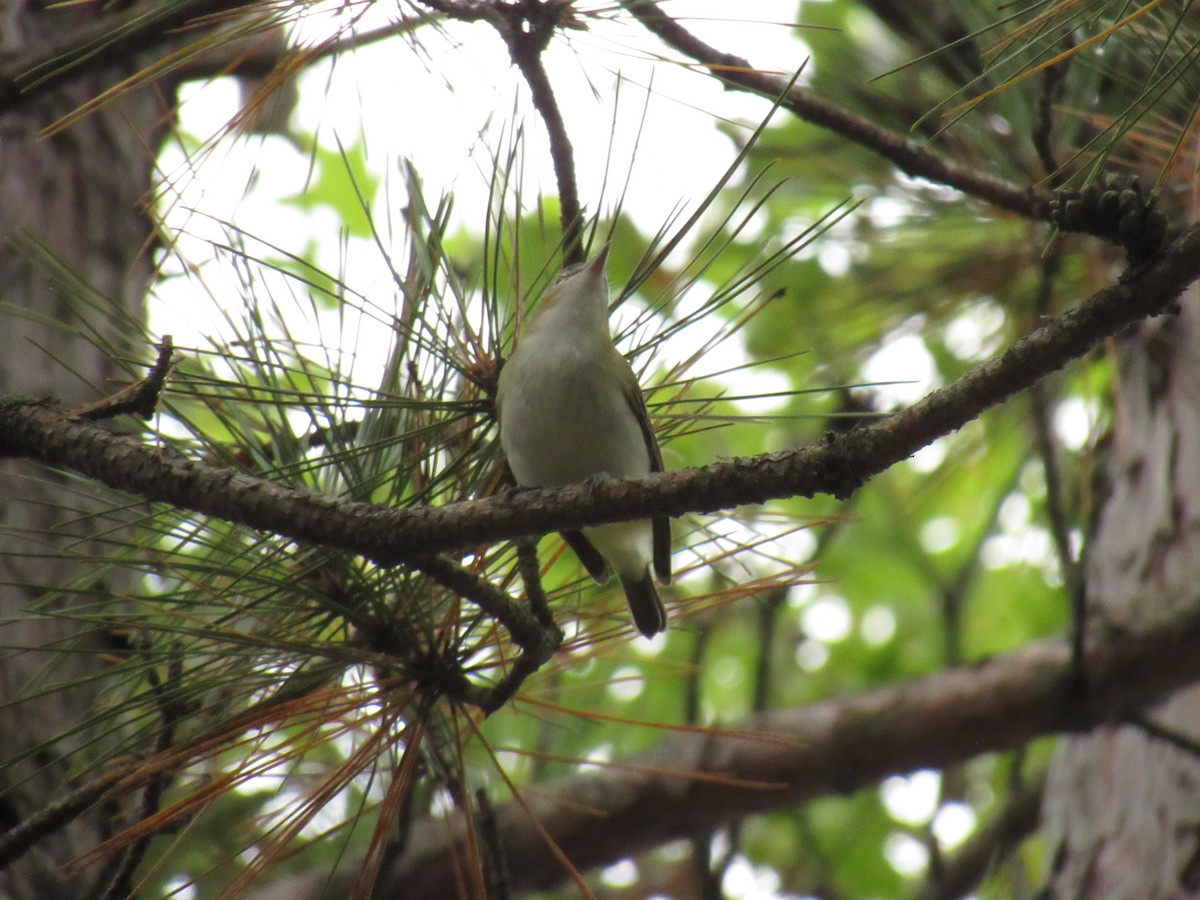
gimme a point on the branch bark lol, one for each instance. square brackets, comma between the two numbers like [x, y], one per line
[837, 466]
[780, 759]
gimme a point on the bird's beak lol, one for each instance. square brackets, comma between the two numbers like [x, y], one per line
[599, 261]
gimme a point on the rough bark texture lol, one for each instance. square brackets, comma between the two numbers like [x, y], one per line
[80, 192]
[1122, 808]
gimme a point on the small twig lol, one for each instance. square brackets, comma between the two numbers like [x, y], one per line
[991, 844]
[526, 29]
[525, 47]
[951, 595]
[708, 876]
[16, 841]
[1056, 503]
[253, 56]
[531, 575]
[495, 860]
[140, 398]
[537, 642]
[172, 712]
[526, 52]
[691, 697]
[768, 619]
[520, 623]
[466, 10]
[1171, 736]
[530, 660]
[701, 840]
[1043, 131]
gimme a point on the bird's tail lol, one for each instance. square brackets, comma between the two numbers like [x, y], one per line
[649, 615]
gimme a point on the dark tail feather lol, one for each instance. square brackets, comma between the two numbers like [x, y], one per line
[662, 549]
[649, 616]
[588, 555]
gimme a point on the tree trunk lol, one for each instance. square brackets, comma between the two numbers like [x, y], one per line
[81, 192]
[1122, 807]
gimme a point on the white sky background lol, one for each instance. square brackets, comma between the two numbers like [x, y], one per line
[445, 111]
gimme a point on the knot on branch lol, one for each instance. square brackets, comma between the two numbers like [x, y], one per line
[1116, 208]
[437, 671]
[530, 24]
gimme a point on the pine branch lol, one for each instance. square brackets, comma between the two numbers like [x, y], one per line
[140, 398]
[18, 839]
[780, 759]
[837, 466]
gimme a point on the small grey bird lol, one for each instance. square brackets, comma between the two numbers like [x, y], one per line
[570, 409]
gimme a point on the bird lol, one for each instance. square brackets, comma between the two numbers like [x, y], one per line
[570, 411]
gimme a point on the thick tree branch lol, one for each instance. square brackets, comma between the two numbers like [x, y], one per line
[908, 155]
[834, 747]
[838, 465]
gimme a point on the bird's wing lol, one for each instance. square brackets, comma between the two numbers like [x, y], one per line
[661, 524]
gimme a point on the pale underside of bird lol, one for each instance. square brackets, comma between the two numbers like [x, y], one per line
[571, 411]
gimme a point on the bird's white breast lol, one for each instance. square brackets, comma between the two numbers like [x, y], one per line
[565, 417]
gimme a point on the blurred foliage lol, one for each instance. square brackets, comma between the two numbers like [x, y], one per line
[946, 558]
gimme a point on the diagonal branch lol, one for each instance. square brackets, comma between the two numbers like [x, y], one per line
[838, 465]
[527, 54]
[779, 759]
[908, 155]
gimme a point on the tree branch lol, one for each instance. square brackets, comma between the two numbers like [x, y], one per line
[781, 759]
[526, 52]
[537, 636]
[838, 465]
[908, 155]
[18, 839]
